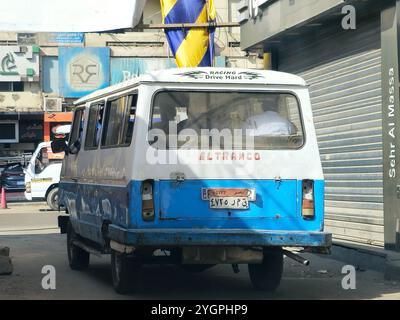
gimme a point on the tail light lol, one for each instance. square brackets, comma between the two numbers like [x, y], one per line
[147, 201]
[308, 199]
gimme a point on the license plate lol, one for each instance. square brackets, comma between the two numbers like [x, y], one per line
[208, 193]
[229, 203]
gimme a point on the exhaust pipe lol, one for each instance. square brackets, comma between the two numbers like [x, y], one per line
[296, 257]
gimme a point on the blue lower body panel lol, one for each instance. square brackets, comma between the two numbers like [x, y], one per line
[212, 237]
[183, 218]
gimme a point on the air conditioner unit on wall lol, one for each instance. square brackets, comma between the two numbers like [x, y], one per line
[52, 104]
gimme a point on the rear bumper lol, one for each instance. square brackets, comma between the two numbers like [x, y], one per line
[12, 185]
[14, 188]
[218, 237]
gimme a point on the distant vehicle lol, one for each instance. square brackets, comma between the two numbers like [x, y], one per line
[140, 180]
[2, 167]
[12, 177]
[42, 173]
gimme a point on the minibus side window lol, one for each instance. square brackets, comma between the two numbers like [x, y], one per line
[93, 131]
[129, 120]
[76, 132]
[119, 121]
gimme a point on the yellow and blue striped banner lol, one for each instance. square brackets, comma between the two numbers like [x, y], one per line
[191, 47]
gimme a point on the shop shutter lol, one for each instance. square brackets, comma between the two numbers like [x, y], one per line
[344, 74]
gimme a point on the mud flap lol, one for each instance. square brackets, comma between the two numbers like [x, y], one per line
[62, 223]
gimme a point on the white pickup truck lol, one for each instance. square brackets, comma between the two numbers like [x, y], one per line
[42, 176]
[42, 173]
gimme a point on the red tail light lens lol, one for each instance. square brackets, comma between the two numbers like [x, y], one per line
[307, 209]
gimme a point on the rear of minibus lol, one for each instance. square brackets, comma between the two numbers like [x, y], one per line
[225, 165]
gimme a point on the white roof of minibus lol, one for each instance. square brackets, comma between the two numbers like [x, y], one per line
[203, 75]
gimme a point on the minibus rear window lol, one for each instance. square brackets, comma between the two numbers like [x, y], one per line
[225, 120]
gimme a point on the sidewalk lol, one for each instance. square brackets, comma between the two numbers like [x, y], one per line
[367, 257]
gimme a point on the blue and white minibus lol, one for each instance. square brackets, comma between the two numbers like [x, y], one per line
[195, 167]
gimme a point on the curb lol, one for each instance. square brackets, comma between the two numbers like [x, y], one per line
[368, 257]
[12, 204]
[29, 231]
[392, 267]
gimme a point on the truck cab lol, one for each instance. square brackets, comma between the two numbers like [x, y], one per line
[42, 173]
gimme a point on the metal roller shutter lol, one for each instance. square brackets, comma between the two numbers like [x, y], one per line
[346, 100]
[347, 107]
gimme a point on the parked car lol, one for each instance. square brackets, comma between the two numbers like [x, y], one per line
[2, 167]
[13, 177]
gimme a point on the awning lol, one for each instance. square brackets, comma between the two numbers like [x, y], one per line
[22, 116]
[70, 16]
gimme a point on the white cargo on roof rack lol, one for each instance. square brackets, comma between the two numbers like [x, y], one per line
[64, 129]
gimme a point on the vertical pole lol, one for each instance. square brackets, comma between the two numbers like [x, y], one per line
[270, 59]
[390, 124]
[46, 131]
[267, 60]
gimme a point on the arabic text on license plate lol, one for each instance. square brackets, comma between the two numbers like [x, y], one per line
[229, 203]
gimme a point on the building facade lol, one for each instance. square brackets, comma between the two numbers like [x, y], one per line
[21, 123]
[347, 51]
[45, 72]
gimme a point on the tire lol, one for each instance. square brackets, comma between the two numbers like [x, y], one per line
[123, 271]
[267, 275]
[77, 257]
[52, 199]
[196, 268]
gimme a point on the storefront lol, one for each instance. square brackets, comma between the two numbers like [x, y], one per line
[20, 133]
[345, 71]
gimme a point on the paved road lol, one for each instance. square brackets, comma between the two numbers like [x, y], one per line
[25, 229]
[28, 218]
[31, 252]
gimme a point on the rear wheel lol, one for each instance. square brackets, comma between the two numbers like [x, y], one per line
[267, 275]
[123, 271]
[52, 199]
[77, 257]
